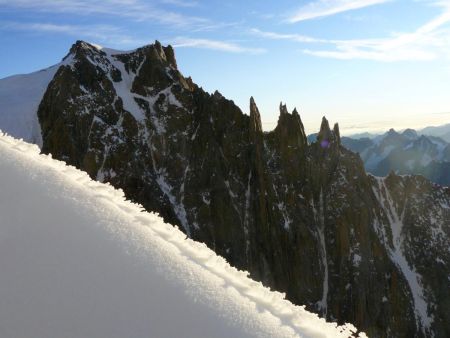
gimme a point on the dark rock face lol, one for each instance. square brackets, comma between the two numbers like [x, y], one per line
[303, 219]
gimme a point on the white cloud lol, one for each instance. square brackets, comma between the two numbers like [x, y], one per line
[278, 36]
[395, 55]
[133, 9]
[224, 46]
[115, 36]
[106, 34]
[180, 3]
[322, 8]
[428, 42]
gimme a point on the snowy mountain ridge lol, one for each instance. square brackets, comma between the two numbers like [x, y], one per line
[303, 218]
[23, 107]
[128, 230]
[404, 153]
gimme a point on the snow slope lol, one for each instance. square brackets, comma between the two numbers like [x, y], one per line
[20, 96]
[77, 260]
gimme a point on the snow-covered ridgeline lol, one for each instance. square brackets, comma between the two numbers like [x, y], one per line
[77, 259]
[396, 252]
[20, 96]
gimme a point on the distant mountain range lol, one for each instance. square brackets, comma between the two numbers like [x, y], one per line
[408, 152]
[442, 131]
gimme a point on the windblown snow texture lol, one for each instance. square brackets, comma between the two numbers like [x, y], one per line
[78, 260]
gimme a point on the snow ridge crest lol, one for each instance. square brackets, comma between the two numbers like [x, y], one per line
[302, 322]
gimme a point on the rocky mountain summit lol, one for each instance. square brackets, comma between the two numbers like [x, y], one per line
[303, 218]
[404, 153]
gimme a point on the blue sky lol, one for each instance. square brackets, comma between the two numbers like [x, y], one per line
[367, 64]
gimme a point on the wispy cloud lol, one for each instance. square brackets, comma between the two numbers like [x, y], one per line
[180, 3]
[104, 34]
[116, 36]
[322, 8]
[137, 10]
[107, 34]
[278, 36]
[224, 46]
[428, 42]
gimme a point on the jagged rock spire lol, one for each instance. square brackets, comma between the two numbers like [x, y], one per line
[290, 128]
[255, 118]
[324, 127]
[170, 55]
[283, 109]
[158, 52]
[166, 53]
[326, 136]
[296, 116]
[159, 48]
[337, 134]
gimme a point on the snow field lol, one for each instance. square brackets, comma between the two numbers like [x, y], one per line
[78, 260]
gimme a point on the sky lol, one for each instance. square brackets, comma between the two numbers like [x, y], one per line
[370, 65]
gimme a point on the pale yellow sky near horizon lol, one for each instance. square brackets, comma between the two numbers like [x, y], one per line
[349, 125]
[353, 123]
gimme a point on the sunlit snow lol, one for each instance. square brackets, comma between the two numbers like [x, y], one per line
[77, 260]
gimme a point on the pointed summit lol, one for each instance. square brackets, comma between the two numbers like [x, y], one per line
[410, 133]
[255, 118]
[81, 48]
[159, 51]
[170, 56]
[156, 52]
[252, 104]
[392, 132]
[337, 134]
[296, 115]
[218, 95]
[326, 136]
[290, 128]
[283, 109]
[80, 44]
[165, 53]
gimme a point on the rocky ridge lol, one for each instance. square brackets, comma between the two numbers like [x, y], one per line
[305, 219]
